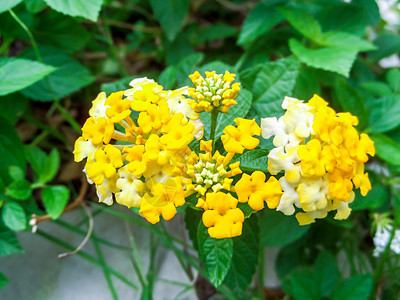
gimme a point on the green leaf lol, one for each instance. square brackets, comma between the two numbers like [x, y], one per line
[12, 107]
[270, 83]
[55, 198]
[19, 190]
[170, 14]
[277, 229]
[376, 88]
[384, 113]
[357, 287]
[35, 6]
[351, 101]
[215, 254]
[7, 4]
[374, 199]
[11, 150]
[217, 31]
[50, 166]
[236, 111]
[253, 160]
[289, 257]
[344, 40]
[3, 281]
[337, 60]
[307, 83]
[192, 220]
[8, 242]
[18, 73]
[387, 149]
[387, 44]
[36, 158]
[167, 77]
[61, 31]
[326, 273]
[118, 85]
[260, 19]
[69, 77]
[244, 258]
[186, 67]
[88, 9]
[301, 21]
[393, 78]
[16, 173]
[14, 216]
[301, 285]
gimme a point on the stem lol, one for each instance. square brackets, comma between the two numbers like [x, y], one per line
[75, 125]
[261, 260]
[24, 27]
[214, 117]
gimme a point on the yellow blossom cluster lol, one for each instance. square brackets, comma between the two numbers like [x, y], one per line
[322, 156]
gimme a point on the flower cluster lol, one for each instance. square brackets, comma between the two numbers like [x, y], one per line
[322, 156]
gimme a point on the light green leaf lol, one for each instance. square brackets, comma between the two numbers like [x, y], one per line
[357, 287]
[277, 229]
[7, 4]
[50, 167]
[344, 40]
[16, 173]
[170, 13]
[55, 198]
[260, 19]
[215, 254]
[253, 160]
[270, 83]
[18, 73]
[384, 113]
[3, 281]
[35, 6]
[36, 158]
[351, 101]
[376, 88]
[167, 77]
[14, 216]
[244, 258]
[8, 242]
[88, 9]
[393, 78]
[69, 77]
[337, 60]
[302, 22]
[387, 149]
[19, 190]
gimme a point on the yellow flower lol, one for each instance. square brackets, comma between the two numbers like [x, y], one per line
[83, 149]
[100, 130]
[119, 108]
[237, 139]
[129, 187]
[213, 92]
[223, 219]
[254, 190]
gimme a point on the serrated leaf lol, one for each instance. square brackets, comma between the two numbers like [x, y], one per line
[88, 9]
[253, 160]
[69, 77]
[192, 220]
[8, 242]
[50, 167]
[14, 216]
[55, 198]
[357, 287]
[384, 113]
[17, 74]
[170, 14]
[270, 83]
[7, 4]
[244, 258]
[393, 78]
[351, 101]
[3, 281]
[277, 229]
[19, 190]
[215, 254]
[337, 60]
[386, 149]
[16, 173]
[260, 19]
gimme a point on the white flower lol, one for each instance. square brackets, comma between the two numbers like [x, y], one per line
[98, 109]
[381, 239]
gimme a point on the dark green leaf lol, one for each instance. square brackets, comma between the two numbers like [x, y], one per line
[260, 19]
[186, 67]
[277, 229]
[376, 88]
[14, 216]
[192, 220]
[7, 4]
[18, 73]
[393, 78]
[306, 84]
[88, 9]
[246, 209]
[55, 198]
[387, 149]
[12, 107]
[50, 167]
[215, 254]
[170, 13]
[288, 258]
[357, 287]
[244, 258]
[69, 77]
[374, 199]
[253, 160]
[118, 85]
[387, 44]
[301, 285]
[337, 60]
[217, 31]
[270, 83]
[8, 242]
[384, 113]
[19, 190]
[36, 158]
[3, 281]
[167, 77]
[351, 101]
[326, 273]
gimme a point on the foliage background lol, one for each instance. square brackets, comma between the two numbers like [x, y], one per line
[55, 57]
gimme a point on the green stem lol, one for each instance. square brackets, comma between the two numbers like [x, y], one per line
[214, 117]
[75, 125]
[261, 260]
[24, 27]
